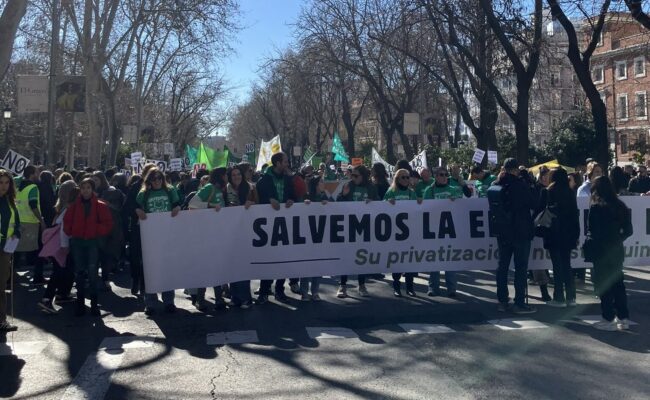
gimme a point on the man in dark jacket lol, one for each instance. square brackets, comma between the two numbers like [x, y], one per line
[519, 200]
[275, 187]
[641, 182]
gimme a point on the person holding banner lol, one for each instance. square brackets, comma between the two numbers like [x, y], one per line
[213, 194]
[380, 179]
[240, 193]
[358, 189]
[424, 182]
[275, 187]
[398, 191]
[442, 190]
[85, 222]
[9, 229]
[157, 196]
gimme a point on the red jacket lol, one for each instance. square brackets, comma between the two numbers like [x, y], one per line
[98, 223]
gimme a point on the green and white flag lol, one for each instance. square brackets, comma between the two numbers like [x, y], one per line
[307, 156]
[339, 150]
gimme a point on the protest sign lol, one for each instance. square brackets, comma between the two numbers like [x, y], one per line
[14, 162]
[492, 157]
[161, 165]
[478, 156]
[176, 164]
[346, 238]
[136, 156]
[420, 161]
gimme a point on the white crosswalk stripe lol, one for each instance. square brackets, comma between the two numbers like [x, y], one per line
[331, 333]
[508, 324]
[420, 329]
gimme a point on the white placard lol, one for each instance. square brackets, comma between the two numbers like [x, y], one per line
[14, 162]
[411, 123]
[32, 93]
[176, 164]
[478, 156]
[136, 157]
[346, 238]
[250, 147]
[127, 162]
[492, 157]
[419, 161]
[161, 165]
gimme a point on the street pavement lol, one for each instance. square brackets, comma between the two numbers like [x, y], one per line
[378, 347]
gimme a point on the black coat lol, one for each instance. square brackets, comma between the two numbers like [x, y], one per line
[521, 201]
[566, 227]
[266, 189]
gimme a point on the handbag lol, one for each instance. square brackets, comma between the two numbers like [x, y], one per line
[544, 222]
[590, 249]
[197, 204]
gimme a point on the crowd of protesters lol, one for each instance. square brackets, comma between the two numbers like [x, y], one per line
[86, 224]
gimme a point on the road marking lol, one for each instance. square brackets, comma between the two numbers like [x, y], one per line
[592, 319]
[94, 377]
[508, 324]
[126, 342]
[331, 333]
[22, 348]
[421, 329]
[234, 337]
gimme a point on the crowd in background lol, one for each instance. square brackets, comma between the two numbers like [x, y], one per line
[86, 224]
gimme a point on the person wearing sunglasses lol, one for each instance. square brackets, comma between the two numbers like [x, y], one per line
[358, 189]
[443, 190]
[398, 191]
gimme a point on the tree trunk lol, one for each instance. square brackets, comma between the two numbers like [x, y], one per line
[9, 21]
[390, 150]
[93, 89]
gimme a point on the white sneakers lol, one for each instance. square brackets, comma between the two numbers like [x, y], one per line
[342, 292]
[613, 325]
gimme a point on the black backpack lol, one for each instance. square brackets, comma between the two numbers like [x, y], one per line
[500, 217]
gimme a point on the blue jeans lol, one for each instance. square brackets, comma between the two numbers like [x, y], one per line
[85, 256]
[304, 285]
[520, 249]
[451, 281]
[150, 299]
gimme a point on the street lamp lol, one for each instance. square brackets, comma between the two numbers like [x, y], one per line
[6, 115]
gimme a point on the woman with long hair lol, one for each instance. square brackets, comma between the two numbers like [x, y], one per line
[9, 229]
[562, 237]
[85, 222]
[156, 196]
[380, 179]
[130, 218]
[620, 182]
[398, 191]
[610, 223]
[62, 277]
[240, 192]
[359, 188]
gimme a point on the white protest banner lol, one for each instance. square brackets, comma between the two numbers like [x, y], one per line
[267, 149]
[136, 157]
[376, 158]
[346, 238]
[162, 165]
[478, 156]
[420, 161]
[14, 162]
[32, 93]
[127, 162]
[176, 164]
[492, 157]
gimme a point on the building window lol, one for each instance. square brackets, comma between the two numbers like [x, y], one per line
[621, 70]
[598, 74]
[641, 105]
[624, 145]
[639, 66]
[621, 106]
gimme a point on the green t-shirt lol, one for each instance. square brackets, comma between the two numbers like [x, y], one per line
[360, 193]
[407, 194]
[157, 200]
[205, 192]
[444, 192]
[421, 187]
[483, 185]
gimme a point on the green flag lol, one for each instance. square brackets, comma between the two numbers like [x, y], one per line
[212, 158]
[190, 154]
[339, 150]
[307, 155]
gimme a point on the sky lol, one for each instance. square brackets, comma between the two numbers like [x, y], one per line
[266, 28]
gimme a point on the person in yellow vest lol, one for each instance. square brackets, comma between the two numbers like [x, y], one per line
[9, 228]
[28, 205]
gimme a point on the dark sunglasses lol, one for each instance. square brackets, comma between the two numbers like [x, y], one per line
[404, 177]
